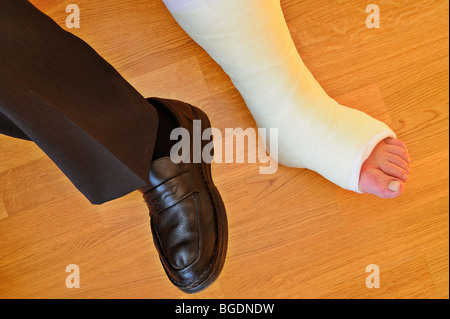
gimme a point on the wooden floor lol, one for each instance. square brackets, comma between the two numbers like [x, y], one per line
[292, 234]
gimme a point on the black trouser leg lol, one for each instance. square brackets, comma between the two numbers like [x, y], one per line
[9, 128]
[58, 92]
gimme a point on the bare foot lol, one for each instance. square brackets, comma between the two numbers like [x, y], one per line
[386, 170]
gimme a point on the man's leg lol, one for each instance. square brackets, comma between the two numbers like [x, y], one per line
[109, 140]
[251, 42]
[57, 91]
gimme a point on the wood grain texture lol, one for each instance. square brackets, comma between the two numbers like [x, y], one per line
[292, 234]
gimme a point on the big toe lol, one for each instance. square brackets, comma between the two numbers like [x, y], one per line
[376, 182]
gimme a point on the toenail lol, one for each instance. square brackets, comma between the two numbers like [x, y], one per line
[404, 177]
[394, 186]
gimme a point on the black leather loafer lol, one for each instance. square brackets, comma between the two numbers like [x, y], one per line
[188, 218]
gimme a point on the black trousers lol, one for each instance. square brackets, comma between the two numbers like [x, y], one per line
[56, 91]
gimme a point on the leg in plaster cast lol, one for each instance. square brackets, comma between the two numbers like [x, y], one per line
[251, 42]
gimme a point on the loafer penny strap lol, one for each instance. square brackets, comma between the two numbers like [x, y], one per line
[170, 193]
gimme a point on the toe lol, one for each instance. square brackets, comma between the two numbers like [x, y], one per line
[397, 160]
[388, 187]
[394, 141]
[394, 170]
[399, 151]
[378, 183]
[394, 188]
